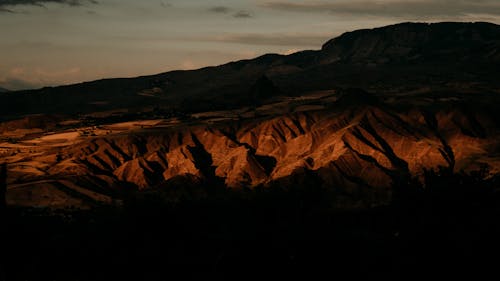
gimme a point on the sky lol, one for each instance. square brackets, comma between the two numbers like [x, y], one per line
[56, 42]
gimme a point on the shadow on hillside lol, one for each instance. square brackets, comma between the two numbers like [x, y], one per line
[447, 228]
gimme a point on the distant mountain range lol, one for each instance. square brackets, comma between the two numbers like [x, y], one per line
[3, 90]
[396, 58]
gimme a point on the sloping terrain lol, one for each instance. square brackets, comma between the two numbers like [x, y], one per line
[359, 148]
[273, 121]
[408, 56]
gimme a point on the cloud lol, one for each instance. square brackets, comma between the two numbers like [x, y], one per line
[6, 4]
[242, 15]
[294, 40]
[392, 8]
[189, 64]
[5, 10]
[220, 9]
[17, 84]
[165, 4]
[291, 51]
[226, 10]
[22, 78]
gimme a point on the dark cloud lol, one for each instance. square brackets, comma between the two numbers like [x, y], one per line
[290, 40]
[5, 10]
[393, 8]
[165, 4]
[226, 10]
[242, 15]
[5, 4]
[220, 10]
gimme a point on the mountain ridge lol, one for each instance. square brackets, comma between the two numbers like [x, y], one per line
[377, 53]
[413, 37]
[357, 126]
[358, 149]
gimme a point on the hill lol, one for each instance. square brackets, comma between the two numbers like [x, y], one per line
[371, 109]
[461, 57]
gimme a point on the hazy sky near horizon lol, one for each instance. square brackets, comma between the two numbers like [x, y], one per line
[53, 42]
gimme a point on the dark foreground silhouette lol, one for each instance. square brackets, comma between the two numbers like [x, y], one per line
[449, 228]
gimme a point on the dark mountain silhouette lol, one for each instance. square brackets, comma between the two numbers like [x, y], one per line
[409, 55]
[417, 42]
[3, 90]
[263, 89]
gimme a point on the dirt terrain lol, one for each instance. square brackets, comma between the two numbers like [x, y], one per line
[370, 110]
[353, 142]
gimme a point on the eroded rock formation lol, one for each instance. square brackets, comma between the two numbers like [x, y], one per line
[360, 149]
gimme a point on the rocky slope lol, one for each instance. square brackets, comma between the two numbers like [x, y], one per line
[274, 121]
[357, 148]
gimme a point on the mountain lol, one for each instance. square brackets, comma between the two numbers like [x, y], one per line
[407, 56]
[350, 141]
[371, 110]
[3, 90]
[376, 156]
[417, 42]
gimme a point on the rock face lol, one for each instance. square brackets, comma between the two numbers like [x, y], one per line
[359, 149]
